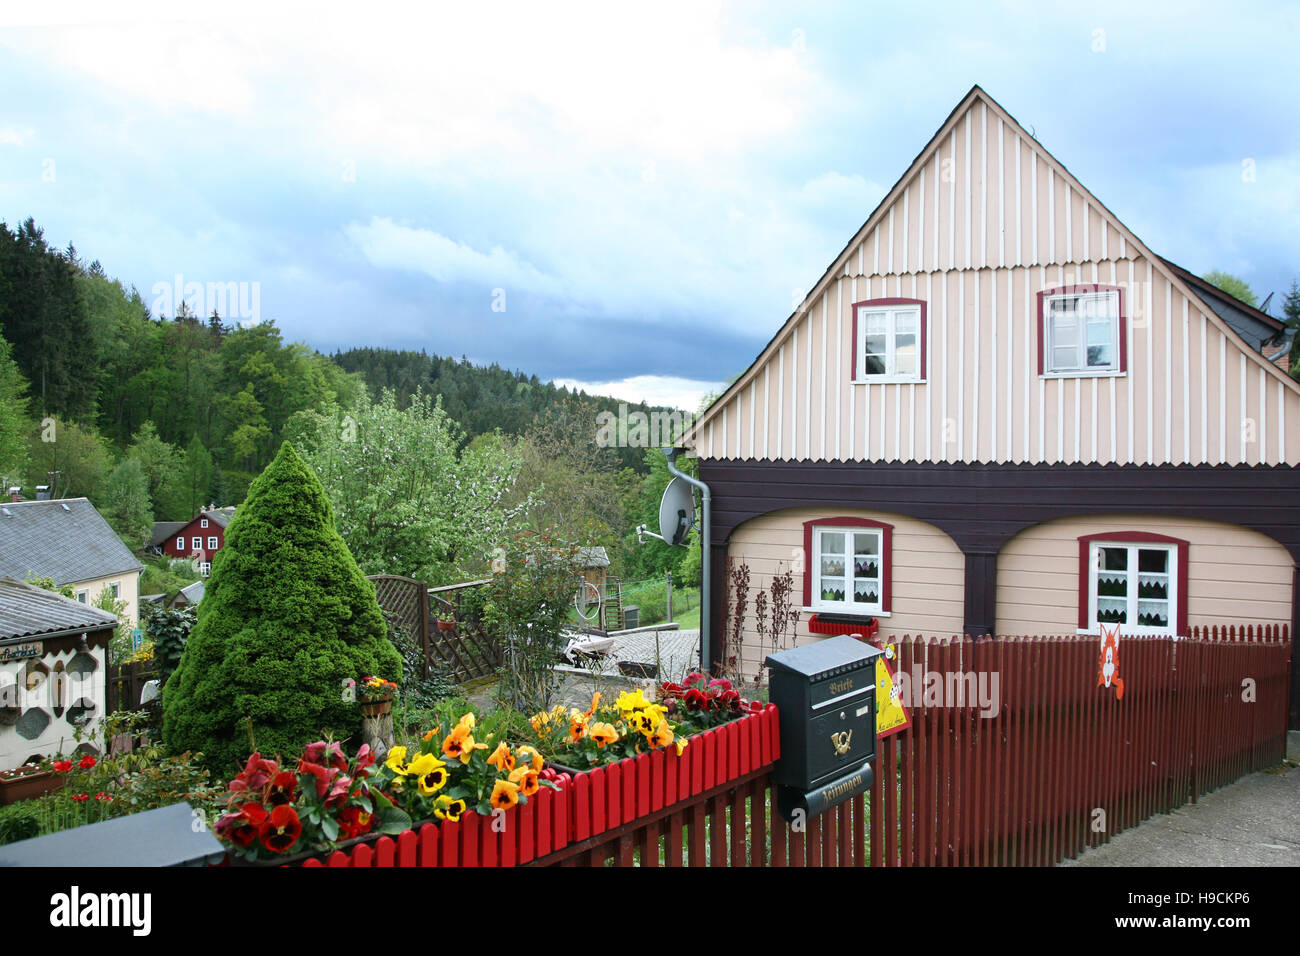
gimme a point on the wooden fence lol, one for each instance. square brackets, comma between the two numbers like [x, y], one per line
[123, 684]
[1033, 774]
[464, 652]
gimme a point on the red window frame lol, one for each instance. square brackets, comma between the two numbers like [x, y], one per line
[886, 554]
[922, 365]
[1133, 537]
[1082, 289]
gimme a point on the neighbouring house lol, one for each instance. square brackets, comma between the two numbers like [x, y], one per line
[189, 596]
[53, 659]
[67, 540]
[198, 539]
[998, 411]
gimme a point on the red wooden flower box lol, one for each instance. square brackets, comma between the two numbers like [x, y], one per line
[819, 625]
[16, 786]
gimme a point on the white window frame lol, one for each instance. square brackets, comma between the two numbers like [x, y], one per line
[1133, 628]
[180, 542]
[890, 375]
[196, 543]
[203, 523]
[83, 596]
[212, 542]
[1082, 369]
[848, 605]
[115, 589]
[205, 568]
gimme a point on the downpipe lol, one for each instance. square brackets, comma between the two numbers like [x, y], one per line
[706, 557]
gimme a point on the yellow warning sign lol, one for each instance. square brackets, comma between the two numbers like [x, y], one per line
[891, 715]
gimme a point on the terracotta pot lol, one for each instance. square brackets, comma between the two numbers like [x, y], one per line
[446, 625]
[377, 708]
[29, 785]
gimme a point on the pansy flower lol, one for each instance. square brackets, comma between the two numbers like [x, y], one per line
[86, 763]
[281, 830]
[603, 734]
[529, 755]
[282, 789]
[504, 795]
[527, 780]
[396, 761]
[445, 808]
[63, 766]
[502, 758]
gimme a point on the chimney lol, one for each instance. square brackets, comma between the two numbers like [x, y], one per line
[16, 493]
[42, 492]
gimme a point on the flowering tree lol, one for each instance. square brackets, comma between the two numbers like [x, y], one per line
[407, 498]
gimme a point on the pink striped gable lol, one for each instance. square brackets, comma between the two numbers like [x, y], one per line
[523, 827]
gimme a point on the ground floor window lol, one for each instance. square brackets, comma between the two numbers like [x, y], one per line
[846, 568]
[1136, 579]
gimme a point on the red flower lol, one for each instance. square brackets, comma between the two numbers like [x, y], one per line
[672, 690]
[103, 796]
[81, 797]
[354, 822]
[324, 776]
[257, 773]
[63, 766]
[695, 700]
[242, 828]
[720, 682]
[86, 762]
[282, 788]
[281, 830]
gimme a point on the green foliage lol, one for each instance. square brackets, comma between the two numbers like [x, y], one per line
[119, 645]
[164, 469]
[49, 585]
[654, 557]
[77, 452]
[15, 424]
[1291, 307]
[1236, 287]
[196, 478]
[418, 693]
[287, 619]
[167, 575]
[526, 606]
[19, 821]
[124, 504]
[168, 629]
[406, 501]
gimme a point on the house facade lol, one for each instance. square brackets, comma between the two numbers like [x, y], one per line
[67, 540]
[198, 539]
[53, 662]
[998, 411]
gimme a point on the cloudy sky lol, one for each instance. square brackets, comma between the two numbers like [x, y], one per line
[628, 197]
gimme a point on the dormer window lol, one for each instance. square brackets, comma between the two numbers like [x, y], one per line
[889, 341]
[1081, 331]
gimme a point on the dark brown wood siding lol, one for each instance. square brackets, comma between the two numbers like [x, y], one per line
[982, 506]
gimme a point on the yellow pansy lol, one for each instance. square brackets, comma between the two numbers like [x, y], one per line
[396, 760]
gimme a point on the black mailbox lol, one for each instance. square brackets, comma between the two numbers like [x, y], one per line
[826, 696]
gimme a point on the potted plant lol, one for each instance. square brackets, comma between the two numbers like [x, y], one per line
[446, 621]
[28, 781]
[376, 696]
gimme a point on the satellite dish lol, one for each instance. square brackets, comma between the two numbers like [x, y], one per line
[677, 512]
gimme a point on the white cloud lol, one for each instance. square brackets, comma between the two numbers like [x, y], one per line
[665, 390]
[15, 137]
[391, 246]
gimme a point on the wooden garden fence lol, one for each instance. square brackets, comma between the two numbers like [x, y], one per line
[1052, 766]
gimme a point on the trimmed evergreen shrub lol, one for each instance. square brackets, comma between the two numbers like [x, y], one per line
[286, 619]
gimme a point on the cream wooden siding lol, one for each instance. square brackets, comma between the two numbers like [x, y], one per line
[1235, 576]
[981, 223]
[927, 574]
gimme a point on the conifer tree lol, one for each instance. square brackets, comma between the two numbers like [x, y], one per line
[286, 620]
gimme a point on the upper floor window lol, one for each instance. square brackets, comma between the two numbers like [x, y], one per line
[847, 565]
[889, 340]
[204, 523]
[1135, 579]
[1081, 331]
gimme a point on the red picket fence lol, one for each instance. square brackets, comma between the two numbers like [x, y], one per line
[1052, 765]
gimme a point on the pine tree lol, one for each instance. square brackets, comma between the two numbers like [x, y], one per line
[287, 619]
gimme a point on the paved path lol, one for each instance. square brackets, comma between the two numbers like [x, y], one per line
[1253, 822]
